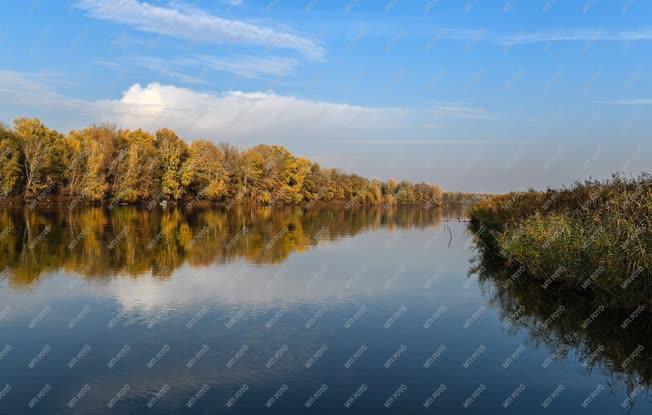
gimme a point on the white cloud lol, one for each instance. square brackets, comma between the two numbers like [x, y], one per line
[188, 23]
[240, 116]
[234, 116]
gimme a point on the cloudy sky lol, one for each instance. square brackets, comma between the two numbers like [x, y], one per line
[476, 95]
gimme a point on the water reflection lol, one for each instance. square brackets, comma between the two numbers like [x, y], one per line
[99, 243]
[614, 341]
[192, 283]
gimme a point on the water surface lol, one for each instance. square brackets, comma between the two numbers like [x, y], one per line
[294, 311]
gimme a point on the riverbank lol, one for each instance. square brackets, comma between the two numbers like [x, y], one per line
[593, 237]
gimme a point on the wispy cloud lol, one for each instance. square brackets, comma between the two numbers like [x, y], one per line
[241, 65]
[455, 110]
[196, 25]
[251, 66]
[34, 90]
[163, 67]
[635, 101]
[525, 38]
[572, 36]
[109, 64]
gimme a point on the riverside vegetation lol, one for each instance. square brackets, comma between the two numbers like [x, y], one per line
[594, 237]
[104, 164]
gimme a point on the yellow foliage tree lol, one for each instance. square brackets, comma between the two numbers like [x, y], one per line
[102, 156]
[136, 176]
[10, 163]
[173, 153]
[204, 171]
[40, 149]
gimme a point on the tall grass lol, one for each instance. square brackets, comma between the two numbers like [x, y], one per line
[594, 237]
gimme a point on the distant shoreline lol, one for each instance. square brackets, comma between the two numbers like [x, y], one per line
[75, 202]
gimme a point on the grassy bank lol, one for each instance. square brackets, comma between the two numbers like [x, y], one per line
[594, 237]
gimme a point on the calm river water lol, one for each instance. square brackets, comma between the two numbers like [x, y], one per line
[293, 311]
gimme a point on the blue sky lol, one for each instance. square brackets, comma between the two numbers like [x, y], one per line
[473, 95]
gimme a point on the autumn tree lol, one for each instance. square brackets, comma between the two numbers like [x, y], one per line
[233, 165]
[102, 154]
[136, 174]
[428, 194]
[250, 170]
[172, 154]
[276, 174]
[10, 163]
[41, 152]
[376, 191]
[313, 184]
[204, 172]
[74, 160]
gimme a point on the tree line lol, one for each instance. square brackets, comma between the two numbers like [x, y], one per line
[104, 163]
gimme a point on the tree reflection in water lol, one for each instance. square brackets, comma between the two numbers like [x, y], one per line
[128, 241]
[615, 341]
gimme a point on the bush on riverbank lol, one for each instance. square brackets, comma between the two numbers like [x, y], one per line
[594, 237]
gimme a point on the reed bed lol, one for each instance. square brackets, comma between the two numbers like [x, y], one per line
[594, 237]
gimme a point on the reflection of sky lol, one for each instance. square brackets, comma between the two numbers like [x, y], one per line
[153, 312]
[380, 263]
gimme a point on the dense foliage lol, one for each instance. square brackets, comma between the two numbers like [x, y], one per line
[103, 163]
[595, 237]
